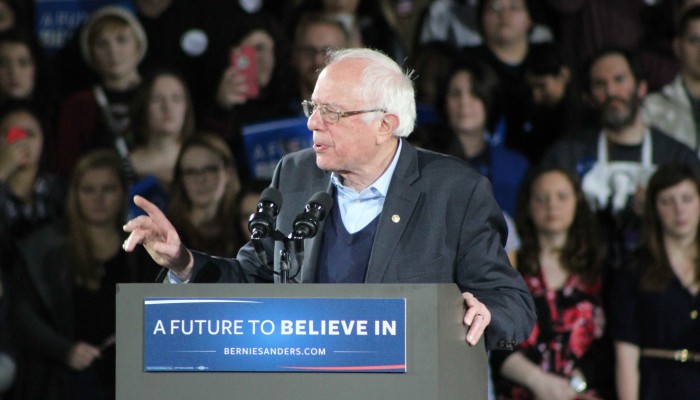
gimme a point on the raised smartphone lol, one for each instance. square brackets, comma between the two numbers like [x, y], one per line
[245, 61]
[15, 133]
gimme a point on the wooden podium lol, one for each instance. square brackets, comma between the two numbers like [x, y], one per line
[439, 363]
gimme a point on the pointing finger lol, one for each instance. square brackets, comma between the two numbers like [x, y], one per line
[153, 211]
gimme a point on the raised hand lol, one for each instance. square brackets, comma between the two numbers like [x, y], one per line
[232, 88]
[12, 157]
[159, 238]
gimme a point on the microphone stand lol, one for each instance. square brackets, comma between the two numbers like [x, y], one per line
[285, 255]
[305, 226]
[285, 260]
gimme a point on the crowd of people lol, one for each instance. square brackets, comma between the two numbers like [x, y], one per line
[583, 115]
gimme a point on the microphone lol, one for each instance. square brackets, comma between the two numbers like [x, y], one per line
[261, 224]
[306, 223]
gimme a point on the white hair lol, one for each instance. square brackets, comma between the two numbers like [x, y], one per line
[384, 85]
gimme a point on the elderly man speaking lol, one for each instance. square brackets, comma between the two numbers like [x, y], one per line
[399, 214]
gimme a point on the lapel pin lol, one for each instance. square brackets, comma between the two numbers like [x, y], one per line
[395, 218]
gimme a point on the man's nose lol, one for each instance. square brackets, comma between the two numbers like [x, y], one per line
[314, 122]
[612, 89]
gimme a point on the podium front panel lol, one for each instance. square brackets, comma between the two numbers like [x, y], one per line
[439, 363]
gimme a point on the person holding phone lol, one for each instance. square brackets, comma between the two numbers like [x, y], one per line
[249, 83]
[29, 195]
[17, 148]
[253, 61]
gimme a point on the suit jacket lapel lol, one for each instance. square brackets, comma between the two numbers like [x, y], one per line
[312, 246]
[398, 207]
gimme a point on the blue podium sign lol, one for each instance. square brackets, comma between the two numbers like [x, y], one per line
[275, 334]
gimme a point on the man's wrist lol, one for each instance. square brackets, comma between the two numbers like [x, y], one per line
[185, 274]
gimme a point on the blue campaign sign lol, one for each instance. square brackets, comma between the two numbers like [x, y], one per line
[56, 21]
[275, 334]
[266, 142]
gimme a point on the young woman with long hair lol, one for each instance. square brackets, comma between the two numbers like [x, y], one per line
[656, 300]
[561, 261]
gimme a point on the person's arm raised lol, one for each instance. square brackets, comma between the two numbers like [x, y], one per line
[159, 238]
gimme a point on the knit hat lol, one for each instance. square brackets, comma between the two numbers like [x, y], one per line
[120, 13]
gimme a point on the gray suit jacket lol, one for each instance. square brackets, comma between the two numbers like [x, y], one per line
[440, 224]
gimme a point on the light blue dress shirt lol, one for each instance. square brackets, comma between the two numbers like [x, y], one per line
[359, 209]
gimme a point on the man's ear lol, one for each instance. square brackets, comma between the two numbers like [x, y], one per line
[387, 126]
[642, 89]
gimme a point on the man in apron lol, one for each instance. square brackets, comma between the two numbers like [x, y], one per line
[615, 162]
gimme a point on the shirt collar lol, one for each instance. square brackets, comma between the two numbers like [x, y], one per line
[381, 185]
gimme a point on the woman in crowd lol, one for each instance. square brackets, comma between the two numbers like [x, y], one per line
[203, 197]
[656, 300]
[467, 106]
[561, 262]
[66, 288]
[29, 195]
[162, 117]
[21, 74]
[113, 43]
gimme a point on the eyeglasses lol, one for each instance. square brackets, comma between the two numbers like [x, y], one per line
[330, 116]
[208, 171]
